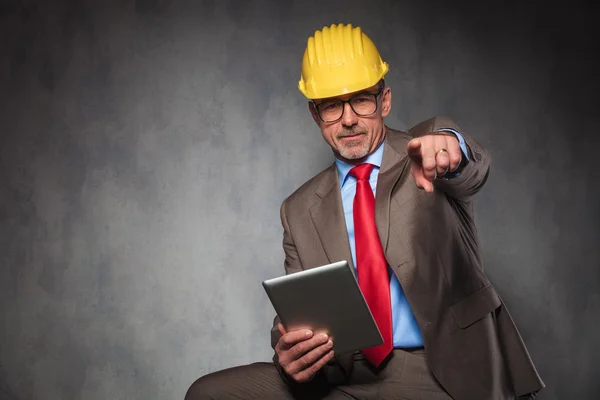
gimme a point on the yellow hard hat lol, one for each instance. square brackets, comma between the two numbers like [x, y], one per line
[339, 59]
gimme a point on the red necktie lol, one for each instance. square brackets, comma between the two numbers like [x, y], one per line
[372, 266]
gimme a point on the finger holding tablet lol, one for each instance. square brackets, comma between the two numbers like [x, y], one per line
[302, 354]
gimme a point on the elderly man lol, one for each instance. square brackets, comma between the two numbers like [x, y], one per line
[398, 206]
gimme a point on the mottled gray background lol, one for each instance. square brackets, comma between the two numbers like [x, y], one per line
[146, 147]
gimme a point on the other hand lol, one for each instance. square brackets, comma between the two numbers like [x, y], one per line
[302, 354]
[433, 155]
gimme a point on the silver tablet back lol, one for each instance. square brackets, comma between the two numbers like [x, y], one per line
[325, 299]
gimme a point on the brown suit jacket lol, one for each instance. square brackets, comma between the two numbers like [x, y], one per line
[430, 242]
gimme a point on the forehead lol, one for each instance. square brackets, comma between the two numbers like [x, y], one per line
[347, 96]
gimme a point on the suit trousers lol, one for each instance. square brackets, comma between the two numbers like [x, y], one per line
[406, 376]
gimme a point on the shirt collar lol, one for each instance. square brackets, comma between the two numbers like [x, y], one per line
[344, 168]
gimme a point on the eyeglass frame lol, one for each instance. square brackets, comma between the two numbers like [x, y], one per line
[376, 95]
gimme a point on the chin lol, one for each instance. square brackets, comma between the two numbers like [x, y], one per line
[354, 155]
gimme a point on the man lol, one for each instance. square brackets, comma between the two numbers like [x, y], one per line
[398, 206]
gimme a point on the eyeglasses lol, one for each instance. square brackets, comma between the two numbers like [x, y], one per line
[363, 105]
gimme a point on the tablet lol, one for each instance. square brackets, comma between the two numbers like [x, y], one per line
[325, 299]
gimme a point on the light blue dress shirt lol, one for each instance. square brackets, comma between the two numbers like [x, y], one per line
[406, 331]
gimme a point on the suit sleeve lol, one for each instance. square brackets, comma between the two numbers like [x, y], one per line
[292, 264]
[474, 175]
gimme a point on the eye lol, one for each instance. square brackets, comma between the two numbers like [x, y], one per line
[329, 106]
[361, 99]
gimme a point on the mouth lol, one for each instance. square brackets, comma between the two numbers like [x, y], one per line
[350, 137]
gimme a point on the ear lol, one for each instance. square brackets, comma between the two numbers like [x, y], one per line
[386, 102]
[313, 112]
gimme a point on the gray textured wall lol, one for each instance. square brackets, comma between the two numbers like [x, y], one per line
[146, 147]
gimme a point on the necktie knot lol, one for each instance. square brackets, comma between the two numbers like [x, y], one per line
[362, 171]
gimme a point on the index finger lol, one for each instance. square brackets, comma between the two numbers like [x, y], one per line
[414, 148]
[291, 338]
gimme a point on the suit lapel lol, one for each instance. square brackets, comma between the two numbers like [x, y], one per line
[328, 217]
[392, 167]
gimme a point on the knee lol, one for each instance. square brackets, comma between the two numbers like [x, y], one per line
[202, 389]
[255, 381]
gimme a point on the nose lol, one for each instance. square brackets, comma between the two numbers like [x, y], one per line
[349, 118]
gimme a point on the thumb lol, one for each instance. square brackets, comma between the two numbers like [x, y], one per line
[420, 179]
[281, 329]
